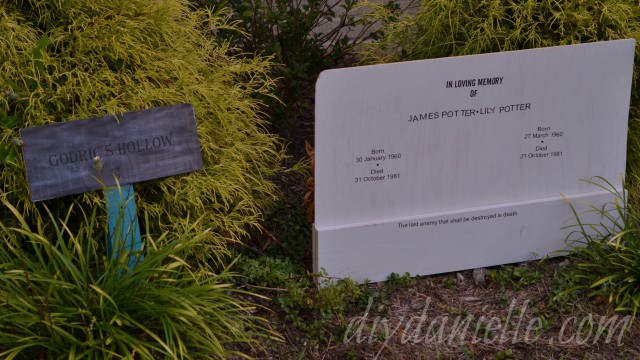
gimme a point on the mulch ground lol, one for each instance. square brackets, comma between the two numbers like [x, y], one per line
[449, 317]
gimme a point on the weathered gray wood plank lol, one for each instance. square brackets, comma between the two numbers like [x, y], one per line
[134, 146]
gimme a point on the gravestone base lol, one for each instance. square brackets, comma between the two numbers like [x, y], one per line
[449, 164]
[453, 240]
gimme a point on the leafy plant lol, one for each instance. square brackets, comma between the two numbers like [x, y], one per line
[562, 280]
[72, 59]
[61, 297]
[504, 354]
[306, 301]
[290, 226]
[461, 27]
[607, 254]
[515, 277]
[270, 272]
[395, 281]
[303, 37]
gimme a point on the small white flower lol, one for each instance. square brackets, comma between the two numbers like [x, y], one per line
[97, 163]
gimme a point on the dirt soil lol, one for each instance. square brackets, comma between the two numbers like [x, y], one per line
[449, 317]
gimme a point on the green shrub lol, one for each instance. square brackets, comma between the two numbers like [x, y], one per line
[61, 298]
[442, 28]
[303, 37]
[462, 27]
[72, 59]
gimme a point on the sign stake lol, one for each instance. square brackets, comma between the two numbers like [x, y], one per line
[124, 230]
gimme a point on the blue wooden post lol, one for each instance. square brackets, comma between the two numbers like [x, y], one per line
[124, 231]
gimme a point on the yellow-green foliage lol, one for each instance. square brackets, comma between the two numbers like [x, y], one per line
[461, 27]
[62, 60]
[441, 28]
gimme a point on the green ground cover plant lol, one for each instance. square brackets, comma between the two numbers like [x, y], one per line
[305, 305]
[61, 297]
[72, 59]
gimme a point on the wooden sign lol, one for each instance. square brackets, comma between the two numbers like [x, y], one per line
[450, 164]
[82, 155]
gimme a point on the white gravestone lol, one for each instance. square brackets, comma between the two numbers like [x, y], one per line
[449, 164]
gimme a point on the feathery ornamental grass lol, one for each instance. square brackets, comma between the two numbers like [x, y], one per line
[62, 60]
[608, 254]
[61, 298]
